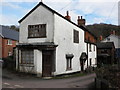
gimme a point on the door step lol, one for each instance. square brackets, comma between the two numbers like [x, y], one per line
[47, 77]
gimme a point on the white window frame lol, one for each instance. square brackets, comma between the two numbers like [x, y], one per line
[9, 42]
[9, 53]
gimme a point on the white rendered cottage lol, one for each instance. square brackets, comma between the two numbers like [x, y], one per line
[116, 40]
[51, 45]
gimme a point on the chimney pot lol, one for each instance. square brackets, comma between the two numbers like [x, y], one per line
[81, 17]
[67, 13]
[68, 17]
[81, 21]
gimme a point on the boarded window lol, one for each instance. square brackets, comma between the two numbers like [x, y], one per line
[76, 36]
[37, 31]
[27, 57]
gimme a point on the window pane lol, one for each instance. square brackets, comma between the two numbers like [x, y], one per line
[27, 56]
[37, 30]
[76, 36]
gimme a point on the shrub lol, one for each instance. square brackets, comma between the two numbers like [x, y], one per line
[110, 73]
[9, 63]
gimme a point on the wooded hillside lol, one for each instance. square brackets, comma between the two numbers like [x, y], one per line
[103, 29]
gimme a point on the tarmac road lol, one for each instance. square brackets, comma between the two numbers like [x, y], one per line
[11, 80]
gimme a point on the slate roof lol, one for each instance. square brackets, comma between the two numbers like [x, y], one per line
[5, 32]
[53, 11]
[105, 45]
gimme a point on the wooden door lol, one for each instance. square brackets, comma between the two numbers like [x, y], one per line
[47, 63]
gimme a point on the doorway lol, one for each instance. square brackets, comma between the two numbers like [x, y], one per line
[47, 61]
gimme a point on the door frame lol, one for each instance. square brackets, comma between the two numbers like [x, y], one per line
[47, 55]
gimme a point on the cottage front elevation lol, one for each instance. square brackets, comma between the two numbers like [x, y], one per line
[51, 44]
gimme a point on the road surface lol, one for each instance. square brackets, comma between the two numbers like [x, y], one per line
[11, 80]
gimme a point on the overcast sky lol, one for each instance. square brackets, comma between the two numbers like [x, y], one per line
[94, 11]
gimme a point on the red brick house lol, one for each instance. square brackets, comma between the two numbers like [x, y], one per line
[8, 40]
[89, 36]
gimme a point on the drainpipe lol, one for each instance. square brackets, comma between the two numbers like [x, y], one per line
[87, 55]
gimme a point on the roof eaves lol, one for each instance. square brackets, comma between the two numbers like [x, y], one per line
[29, 12]
[1, 35]
[40, 3]
[48, 9]
[90, 42]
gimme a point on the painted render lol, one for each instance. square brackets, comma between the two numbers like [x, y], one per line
[39, 16]
[113, 38]
[60, 32]
[63, 37]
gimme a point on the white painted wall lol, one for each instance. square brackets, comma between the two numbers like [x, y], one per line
[38, 62]
[92, 55]
[63, 37]
[40, 15]
[113, 38]
[59, 31]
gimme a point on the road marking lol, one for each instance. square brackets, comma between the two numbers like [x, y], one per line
[6, 83]
[18, 86]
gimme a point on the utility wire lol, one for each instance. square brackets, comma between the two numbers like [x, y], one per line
[65, 6]
[111, 11]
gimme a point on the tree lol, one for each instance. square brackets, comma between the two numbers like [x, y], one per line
[13, 27]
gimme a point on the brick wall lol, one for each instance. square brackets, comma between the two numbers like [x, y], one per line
[7, 48]
[89, 37]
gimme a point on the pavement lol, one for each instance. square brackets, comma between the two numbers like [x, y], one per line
[12, 80]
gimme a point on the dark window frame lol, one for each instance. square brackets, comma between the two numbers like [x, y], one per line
[90, 48]
[37, 31]
[108, 39]
[69, 61]
[75, 36]
[69, 64]
[24, 55]
[94, 47]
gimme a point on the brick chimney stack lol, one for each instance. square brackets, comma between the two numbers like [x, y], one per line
[81, 21]
[68, 17]
[101, 38]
